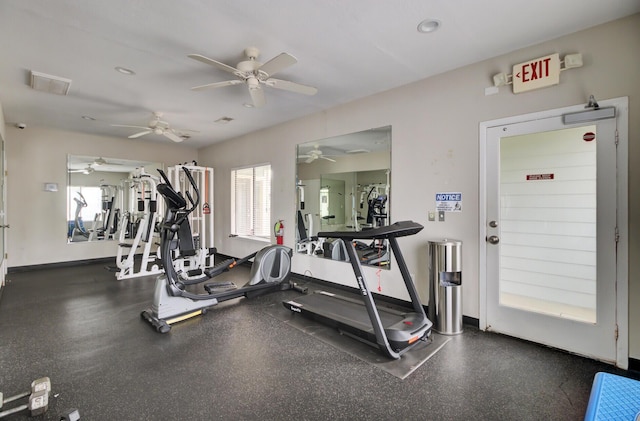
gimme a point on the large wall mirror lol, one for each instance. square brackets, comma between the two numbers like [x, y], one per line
[99, 191]
[343, 183]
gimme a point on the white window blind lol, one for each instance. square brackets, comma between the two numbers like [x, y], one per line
[251, 201]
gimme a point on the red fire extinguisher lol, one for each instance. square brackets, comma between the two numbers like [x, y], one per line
[278, 229]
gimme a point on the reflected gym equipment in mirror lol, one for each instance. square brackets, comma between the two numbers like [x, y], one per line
[100, 192]
[343, 184]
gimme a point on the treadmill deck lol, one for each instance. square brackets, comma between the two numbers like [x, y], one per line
[350, 314]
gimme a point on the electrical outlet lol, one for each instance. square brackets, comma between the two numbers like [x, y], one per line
[441, 216]
[432, 216]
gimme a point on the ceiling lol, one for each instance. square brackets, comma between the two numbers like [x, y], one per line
[346, 49]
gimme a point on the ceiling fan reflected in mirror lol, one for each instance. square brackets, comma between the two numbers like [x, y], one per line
[86, 171]
[255, 74]
[101, 161]
[314, 154]
[160, 127]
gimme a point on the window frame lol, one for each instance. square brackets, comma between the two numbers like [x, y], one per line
[254, 190]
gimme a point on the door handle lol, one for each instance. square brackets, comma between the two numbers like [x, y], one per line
[494, 239]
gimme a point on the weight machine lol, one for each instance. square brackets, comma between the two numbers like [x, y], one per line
[196, 250]
[138, 227]
[105, 223]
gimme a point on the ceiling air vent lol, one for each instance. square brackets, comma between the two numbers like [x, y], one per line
[51, 84]
[224, 120]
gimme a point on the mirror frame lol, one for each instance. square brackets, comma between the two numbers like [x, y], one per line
[344, 157]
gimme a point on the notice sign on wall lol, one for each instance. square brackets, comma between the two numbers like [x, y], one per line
[449, 202]
[537, 73]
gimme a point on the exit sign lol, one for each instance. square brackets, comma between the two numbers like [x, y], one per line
[537, 73]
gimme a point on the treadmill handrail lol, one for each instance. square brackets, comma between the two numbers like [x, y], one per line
[398, 229]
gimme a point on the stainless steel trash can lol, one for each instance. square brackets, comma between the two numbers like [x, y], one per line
[445, 286]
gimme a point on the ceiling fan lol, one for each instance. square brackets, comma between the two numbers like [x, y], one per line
[255, 74]
[101, 161]
[160, 127]
[85, 171]
[314, 154]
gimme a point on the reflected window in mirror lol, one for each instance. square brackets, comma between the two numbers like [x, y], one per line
[99, 193]
[343, 184]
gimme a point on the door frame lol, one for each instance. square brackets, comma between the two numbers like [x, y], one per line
[622, 255]
[3, 209]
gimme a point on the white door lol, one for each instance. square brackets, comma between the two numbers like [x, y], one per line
[551, 230]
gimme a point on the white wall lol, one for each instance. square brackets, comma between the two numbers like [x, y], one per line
[435, 124]
[38, 218]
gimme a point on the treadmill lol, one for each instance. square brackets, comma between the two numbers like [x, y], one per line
[393, 331]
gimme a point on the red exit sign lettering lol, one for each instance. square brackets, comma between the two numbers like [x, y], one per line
[537, 73]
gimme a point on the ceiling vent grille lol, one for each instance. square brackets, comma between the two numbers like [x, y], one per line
[51, 84]
[224, 120]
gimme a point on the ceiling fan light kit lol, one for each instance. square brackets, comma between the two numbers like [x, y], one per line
[255, 74]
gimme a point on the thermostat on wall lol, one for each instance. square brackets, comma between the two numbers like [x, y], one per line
[50, 186]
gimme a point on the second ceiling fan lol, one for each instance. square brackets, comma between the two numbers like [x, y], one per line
[160, 127]
[255, 74]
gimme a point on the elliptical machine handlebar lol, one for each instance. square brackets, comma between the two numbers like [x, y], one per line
[164, 177]
[195, 189]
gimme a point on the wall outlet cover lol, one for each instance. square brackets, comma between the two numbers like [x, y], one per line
[440, 215]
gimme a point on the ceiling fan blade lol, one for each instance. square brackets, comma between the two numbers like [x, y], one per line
[171, 135]
[311, 159]
[278, 63]
[291, 86]
[257, 96]
[328, 159]
[216, 85]
[133, 136]
[133, 127]
[212, 62]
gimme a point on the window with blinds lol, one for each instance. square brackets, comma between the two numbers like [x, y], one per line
[251, 201]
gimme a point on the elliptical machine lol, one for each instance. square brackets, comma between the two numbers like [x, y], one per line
[172, 302]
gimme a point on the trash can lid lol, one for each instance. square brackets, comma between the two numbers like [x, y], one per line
[446, 242]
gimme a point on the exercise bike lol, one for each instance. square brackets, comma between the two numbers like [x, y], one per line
[172, 302]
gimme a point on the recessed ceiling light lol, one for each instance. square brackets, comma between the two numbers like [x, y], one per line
[355, 151]
[247, 105]
[429, 25]
[125, 71]
[86, 117]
